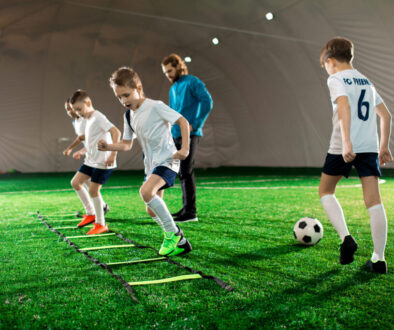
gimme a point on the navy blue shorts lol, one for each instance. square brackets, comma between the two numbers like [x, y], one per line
[366, 164]
[166, 174]
[97, 175]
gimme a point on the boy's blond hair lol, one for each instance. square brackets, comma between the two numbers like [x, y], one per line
[125, 76]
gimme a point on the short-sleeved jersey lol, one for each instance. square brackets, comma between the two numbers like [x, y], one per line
[151, 125]
[79, 125]
[97, 128]
[363, 99]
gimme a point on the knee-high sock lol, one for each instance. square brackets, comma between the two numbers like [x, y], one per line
[335, 214]
[158, 221]
[378, 230]
[160, 208]
[85, 199]
[98, 208]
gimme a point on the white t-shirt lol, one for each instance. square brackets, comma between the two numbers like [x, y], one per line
[79, 126]
[97, 127]
[151, 124]
[363, 99]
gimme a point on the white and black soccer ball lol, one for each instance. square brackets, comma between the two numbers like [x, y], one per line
[308, 231]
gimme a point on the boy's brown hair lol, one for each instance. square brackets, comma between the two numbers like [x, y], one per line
[174, 60]
[339, 48]
[78, 95]
[125, 76]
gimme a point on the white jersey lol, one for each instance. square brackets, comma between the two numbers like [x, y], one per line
[97, 127]
[79, 125]
[151, 125]
[363, 99]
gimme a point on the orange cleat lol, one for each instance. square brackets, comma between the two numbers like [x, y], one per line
[86, 220]
[97, 229]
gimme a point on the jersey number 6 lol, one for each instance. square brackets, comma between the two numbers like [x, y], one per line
[362, 104]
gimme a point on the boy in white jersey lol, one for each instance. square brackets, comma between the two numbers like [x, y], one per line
[98, 165]
[354, 142]
[150, 122]
[79, 124]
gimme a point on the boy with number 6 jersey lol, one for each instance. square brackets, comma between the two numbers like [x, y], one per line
[354, 142]
[150, 122]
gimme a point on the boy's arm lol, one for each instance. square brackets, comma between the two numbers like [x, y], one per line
[344, 122]
[185, 132]
[115, 133]
[78, 140]
[78, 154]
[385, 131]
[123, 145]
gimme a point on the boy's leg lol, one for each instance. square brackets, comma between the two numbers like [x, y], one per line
[377, 214]
[77, 183]
[153, 214]
[105, 205]
[94, 191]
[335, 214]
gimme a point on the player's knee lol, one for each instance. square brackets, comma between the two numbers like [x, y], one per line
[146, 194]
[76, 185]
[93, 191]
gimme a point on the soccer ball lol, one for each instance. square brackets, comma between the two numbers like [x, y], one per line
[308, 231]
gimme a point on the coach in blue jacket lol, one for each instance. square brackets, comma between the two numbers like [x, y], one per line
[189, 97]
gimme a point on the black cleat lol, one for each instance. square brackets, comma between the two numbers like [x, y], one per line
[186, 217]
[377, 267]
[177, 214]
[106, 209]
[348, 248]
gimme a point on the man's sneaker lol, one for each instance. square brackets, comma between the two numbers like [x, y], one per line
[177, 214]
[169, 243]
[97, 229]
[106, 209]
[186, 217]
[348, 248]
[181, 249]
[86, 219]
[377, 267]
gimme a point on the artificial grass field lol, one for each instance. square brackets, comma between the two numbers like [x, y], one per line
[244, 237]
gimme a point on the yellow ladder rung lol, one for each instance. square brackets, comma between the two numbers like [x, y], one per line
[167, 280]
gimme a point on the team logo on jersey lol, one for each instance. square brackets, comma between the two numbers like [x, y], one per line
[347, 81]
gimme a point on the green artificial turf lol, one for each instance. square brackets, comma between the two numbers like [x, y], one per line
[244, 237]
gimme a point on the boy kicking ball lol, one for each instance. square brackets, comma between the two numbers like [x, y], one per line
[79, 124]
[98, 165]
[150, 122]
[354, 142]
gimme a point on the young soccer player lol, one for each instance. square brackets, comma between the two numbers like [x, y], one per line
[79, 124]
[98, 165]
[150, 122]
[354, 142]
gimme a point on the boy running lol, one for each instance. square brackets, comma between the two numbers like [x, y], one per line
[79, 124]
[150, 122]
[98, 165]
[354, 142]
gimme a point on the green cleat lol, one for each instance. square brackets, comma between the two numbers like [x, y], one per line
[170, 243]
[181, 249]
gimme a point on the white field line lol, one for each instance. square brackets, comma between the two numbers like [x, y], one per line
[198, 186]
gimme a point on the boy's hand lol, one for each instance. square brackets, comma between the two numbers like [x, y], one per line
[385, 156]
[67, 152]
[347, 152]
[110, 160]
[181, 154]
[77, 155]
[102, 145]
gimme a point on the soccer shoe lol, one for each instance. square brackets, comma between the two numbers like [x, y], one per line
[181, 249]
[186, 217]
[177, 214]
[97, 229]
[86, 219]
[377, 267]
[348, 248]
[169, 243]
[106, 209]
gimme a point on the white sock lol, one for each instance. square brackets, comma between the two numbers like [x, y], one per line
[98, 207]
[102, 200]
[335, 214]
[158, 221]
[85, 199]
[86, 185]
[160, 208]
[378, 230]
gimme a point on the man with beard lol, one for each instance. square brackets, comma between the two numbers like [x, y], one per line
[189, 97]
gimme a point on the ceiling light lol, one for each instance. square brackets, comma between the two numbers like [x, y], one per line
[269, 16]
